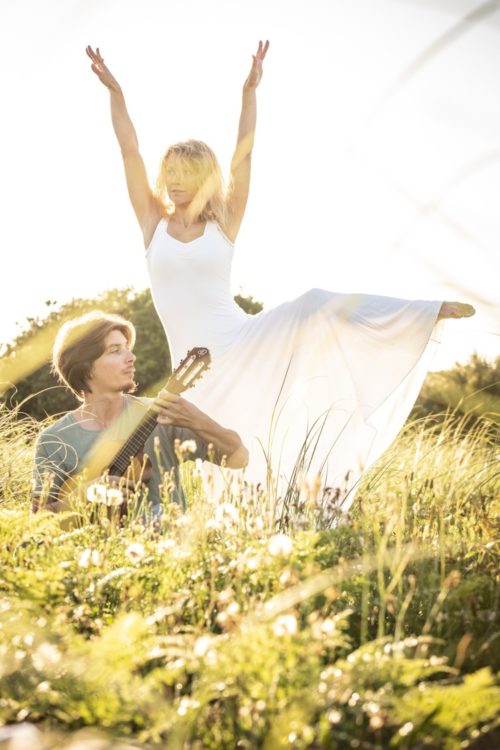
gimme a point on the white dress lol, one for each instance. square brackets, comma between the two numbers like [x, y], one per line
[322, 383]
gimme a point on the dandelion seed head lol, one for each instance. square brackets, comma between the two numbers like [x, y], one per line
[96, 493]
[188, 446]
[202, 645]
[280, 544]
[164, 545]
[285, 625]
[135, 552]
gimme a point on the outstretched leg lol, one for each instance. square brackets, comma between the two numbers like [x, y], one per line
[455, 310]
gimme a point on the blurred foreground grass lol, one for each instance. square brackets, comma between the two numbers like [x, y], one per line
[379, 629]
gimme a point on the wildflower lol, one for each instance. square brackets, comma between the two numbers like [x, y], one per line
[328, 627]
[114, 497]
[252, 563]
[285, 625]
[184, 520]
[96, 493]
[46, 654]
[135, 552]
[164, 545]
[188, 446]
[89, 557]
[227, 514]
[101, 494]
[185, 705]
[225, 596]
[334, 716]
[280, 544]
[202, 645]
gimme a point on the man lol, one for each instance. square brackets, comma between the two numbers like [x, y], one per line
[93, 357]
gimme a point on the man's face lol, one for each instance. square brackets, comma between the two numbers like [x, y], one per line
[114, 370]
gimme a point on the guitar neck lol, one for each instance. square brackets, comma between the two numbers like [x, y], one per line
[133, 444]
[196, 361]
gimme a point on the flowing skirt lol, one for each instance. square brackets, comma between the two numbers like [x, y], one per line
[321, 385]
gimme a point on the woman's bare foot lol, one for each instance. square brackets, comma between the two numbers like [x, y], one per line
[455, 310]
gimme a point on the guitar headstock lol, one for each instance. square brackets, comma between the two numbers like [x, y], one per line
[194, 364]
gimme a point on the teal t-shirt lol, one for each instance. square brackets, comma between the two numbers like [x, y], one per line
[62, 447]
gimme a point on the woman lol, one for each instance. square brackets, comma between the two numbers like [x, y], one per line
[319, 384]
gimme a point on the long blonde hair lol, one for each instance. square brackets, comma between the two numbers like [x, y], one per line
[209, 203]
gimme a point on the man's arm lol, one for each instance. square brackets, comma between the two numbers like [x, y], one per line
[181, 413]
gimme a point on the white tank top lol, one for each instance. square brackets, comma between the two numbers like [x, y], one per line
[191, 289]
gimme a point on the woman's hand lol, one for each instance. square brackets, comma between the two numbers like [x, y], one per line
[255, 74]
[102, 71]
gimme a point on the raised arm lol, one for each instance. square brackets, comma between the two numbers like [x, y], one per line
[241, 161]
[144, 203]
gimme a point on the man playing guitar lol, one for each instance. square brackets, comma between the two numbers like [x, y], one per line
[93, 357]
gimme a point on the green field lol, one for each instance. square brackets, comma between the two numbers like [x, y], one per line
[241, 624]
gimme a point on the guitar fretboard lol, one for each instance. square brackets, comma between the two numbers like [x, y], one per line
[133, 445]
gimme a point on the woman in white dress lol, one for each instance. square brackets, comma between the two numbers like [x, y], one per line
[318, 385]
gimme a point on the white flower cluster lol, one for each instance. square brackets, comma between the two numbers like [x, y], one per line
[101, 494]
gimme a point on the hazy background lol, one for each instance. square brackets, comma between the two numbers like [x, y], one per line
[376, 166]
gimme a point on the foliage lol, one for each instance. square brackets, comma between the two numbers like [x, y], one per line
[472, 388]
[216, 631]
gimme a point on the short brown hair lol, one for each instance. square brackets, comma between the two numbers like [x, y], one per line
[80, 342]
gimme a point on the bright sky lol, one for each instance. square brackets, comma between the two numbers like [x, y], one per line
[370, 173]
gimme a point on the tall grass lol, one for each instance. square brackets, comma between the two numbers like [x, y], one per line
[226, 627]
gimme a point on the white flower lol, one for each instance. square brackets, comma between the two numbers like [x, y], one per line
[188, 446]
[45, 655]
[285, 625]
[84, 559]
[114, 496]
[96, 493]
[164, 545]
[135, 552]
[252, 563]
[101, 494]
[226, 512]
[280, 544]
[334, 716]
[89, 557]
[202, 645]
[185, 705]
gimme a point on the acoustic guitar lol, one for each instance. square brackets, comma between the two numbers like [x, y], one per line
[124, 457]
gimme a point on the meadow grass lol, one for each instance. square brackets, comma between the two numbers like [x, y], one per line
[232, 626]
